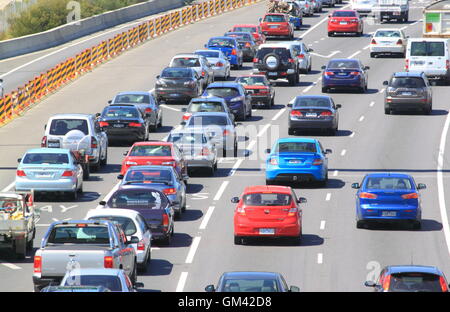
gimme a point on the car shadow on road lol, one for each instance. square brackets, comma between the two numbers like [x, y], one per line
[7, 255]
[331, 184]
[54, 197]
[158, 267]
[278, 106]
[193, 188]
[190, 215]
[339, 133]
[109, 168]
[163, 129]
[307, 240]
[427, 226]
[314, 72]
[434, 112]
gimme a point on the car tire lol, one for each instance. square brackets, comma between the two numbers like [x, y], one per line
[387, 111]
[373, 55]
[167, 240]
[133, 277]
[211, 171]
[291, 131]
[177, 215]
[104, 161]
[417, 225]
[238, 240]
[37, 288]
[428, 110]
[292, 80]
[330, 34]
[324, 90]
[235, 149]
[360, 224]
[73, 195]
[86, 173]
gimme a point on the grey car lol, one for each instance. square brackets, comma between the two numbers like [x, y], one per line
[206, 104]
[246, 42]
[197, 148]
[220, 64]
[219, 127]
[197, 62]
[145, 101]
[313, 112]
[178, 84]
[408, 91]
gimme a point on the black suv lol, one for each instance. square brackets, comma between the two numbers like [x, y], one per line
[277, 62]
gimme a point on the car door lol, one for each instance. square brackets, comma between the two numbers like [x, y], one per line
[321, 152]
[248, 98]
[77, 168]
[336, 112]
[101, 137]
[126, 253]
[146, 232]
[364, 71]
[429, 89]
[305, 51]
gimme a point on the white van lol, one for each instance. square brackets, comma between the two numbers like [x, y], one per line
[429, 55]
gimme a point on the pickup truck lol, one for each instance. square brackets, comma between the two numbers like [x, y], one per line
[391, 10]
[82, 244]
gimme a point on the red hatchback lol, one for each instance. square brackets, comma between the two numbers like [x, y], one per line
[267, 211]
[255, 30]
[277, 25]
[345, 21]
[156, 153]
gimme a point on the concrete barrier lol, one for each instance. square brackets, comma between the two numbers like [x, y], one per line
[84, 27]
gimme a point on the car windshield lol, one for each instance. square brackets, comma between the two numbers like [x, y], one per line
[265, 199]
[407, 82]
[208, 121]
[127, 224]
[222, 42]
[79, 234]
[137, 199]
[108, 281]
[209, 53]
[388, 33]
[62, 126]
[46, 159]
[429, 48]
[344, 14]
[274, 19]
[283, 53]
[250, 285]
[222, 92]
[148, 176]
[311, 102]
[245, 29]
[296, 147]
[197, 107]
[120, 112]
[253, 81]
[132, 99]
[388, 183]
[187, 138]
[343, 64]
[176, 73]
[186, 62]
[415, 282]
[151, 150]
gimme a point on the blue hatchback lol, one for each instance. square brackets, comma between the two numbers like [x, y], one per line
[345, 74]
[388, 197]
[297, 160]
[229, 47]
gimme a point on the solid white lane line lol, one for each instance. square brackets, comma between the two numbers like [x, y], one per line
[382, 90]
[221, 190]
[106, 198]
[9, 187]
[206, 218]
[354, 54]
[181, 282]
[328, 197]
[263, 130]
[361, 118]
[235, 167]
[335, 173]
[352, 135]
[322, 225]
[251, 144]
[10, 266]
[308, 88]
[281, 112]
[440, 182]
[171, 108]
[193, 249]
[343, 152]
[319, 258]
[366, 47]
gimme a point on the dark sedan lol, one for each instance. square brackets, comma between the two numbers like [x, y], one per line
[345, 74]
[247, 44]
[179, 84]
[124, 122]
[313, 112]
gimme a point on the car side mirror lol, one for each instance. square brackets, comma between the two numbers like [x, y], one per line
[294, 289]
[125, 153]
[205, 45]
[45, 127]
[328, 151]
[120, 177]
[110, 101]
[133, 240]
[302, 200]
[260, 19]
[184, 110]
[338, 106]
[138, 285]
[235, 200]
[183, 123]
[323, 67]
[310, 50]
[421, 186]
[157, 77]
[102, 203]
[268, 151]
[385, 83]
[370, 284]
[356, 185]
[366, 67]
[19, 160]
[289, 105]
[210, 288]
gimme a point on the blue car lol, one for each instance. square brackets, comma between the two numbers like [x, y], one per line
[297, 160]
[296, 21]
[239, 102]
[345, 74]
[229, 47]
[387, 197]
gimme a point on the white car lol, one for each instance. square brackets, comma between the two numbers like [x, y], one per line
[388, 41]
[133, 224]
[363, 7]
[220, 64]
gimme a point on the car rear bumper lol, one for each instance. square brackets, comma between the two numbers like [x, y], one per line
[295, 175]
[387, 49]
[276, 32]
[376, 212]
[406, 103]
[175, 94]
[126, 134]
[67, 185]
[343, 28]
[220, 71]
[46, 281]
[342, 83]
[261, 100]
[311, 124]
[284, 74]
[199, 162]
[252, 229]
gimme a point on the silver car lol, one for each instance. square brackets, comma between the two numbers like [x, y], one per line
[220, 64]
[388, 41]
[197, 62]
[302, 53]
[218, 126]
[307, 6]
[197, 148]
[206, 104]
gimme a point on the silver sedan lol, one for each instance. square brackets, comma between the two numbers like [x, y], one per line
[219, 62]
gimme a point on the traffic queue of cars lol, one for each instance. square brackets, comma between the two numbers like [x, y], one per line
[114, 241]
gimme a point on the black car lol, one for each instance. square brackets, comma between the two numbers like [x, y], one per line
[179, 84]
[246, 43]
[124, 122]
[152, 204]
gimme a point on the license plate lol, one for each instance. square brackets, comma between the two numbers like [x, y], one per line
[53, 144]
[272, 74]
[274, 26]
[118, 126]
[406, 93]
[294, 161]
[44, 175]
[175, 94]
[266, 231]
[342, 74]
[417, 62]
[311, 115]
[389, 214]
[396, 13]
[343, 23]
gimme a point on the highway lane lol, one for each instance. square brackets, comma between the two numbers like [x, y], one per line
[343, 252]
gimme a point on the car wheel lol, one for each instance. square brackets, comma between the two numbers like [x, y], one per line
[235, 149]
[291, 131]
[373, 55]
[324, 90]
[167, 240]
[427, 110]
[142, 268]
[360, 224]
[133, 277]
[160, 122]
[297, 240]
[96, 167]
[104, 161]
[387, 111]
[178, 214]
[86, 172]
[37, 288]
[330, 34]
[211, 171]
[73, 195]
[237, 240]
[417, 225]
[292, 80]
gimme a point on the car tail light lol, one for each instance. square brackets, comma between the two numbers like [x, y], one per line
[355, 73]
[274, 161]
[94, 142]
[103, 124]
[219, 64]
[67, 173]
[108, 262]
[406, 64]
[386, 283]
[130, 163]
[443, 284]
[170, 191]
[317, 162]
[326, 113]
[187, 116]
[203, 73]
[301, 56]
[234, 52]
[169, 163]
[307, 5]
[20, 173]
[141, 245]
[44, 141]
[255, 60]
[293, 212]
[248, 45]
[296, 113]
[165, 221]
[373, 41]
[291, 60]
[410, 196]
[226, 132]
[329, 74]
[241, 211]
[205, 152]
[37, 266]
[135, 124]
[367, 195]
[148, 110]
[399, 41]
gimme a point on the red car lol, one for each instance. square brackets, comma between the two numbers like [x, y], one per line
[277, 25]
[267, 211]
[345, 21]
[255, 30]
[259, 88]
[155, 153]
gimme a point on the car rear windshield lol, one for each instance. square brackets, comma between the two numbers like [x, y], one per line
[221, 42]
[208, 121]
[407, 82]
[250, 285]
[312, 102]
[343, 64]
[388, 33]
[132, 99]
[274, 19]
[222, 92]
[44, 158]
[187, 138]
[415, 282]
[283, 53]
[148, 176]
[265, 199]
[240, 36]
[79, 234]
[137, 199]
[429, 48]
[62, 126]
[344, 14]
[151, 150]
[186, 62]
[387, 183]
[127, 224]
[120, 112]
[253, 81]
[245, 29]
[296, 147]
[209, 53]
[176, 73]
[198, 107]
[108, 281]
